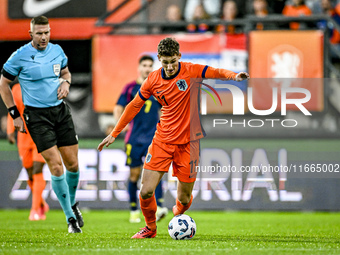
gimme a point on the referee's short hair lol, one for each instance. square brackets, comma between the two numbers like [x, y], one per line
[39, 20]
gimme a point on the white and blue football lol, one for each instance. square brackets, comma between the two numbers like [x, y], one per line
[182, 227]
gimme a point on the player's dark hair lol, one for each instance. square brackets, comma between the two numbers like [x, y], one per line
[145, 57]
[40, 20]
[168, 47]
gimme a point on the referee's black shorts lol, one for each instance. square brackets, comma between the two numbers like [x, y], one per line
[50, 126]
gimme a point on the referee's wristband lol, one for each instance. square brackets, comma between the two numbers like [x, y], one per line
[14, 112]
[66, 81]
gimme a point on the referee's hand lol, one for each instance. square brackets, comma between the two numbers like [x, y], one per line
[106, 142]
[19, 125]
[63, 90]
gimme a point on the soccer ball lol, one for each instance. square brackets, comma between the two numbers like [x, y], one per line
[182, 227]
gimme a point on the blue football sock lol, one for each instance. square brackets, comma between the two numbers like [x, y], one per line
[60, 188]
[72, 180]
[132, 188]
[159, 194]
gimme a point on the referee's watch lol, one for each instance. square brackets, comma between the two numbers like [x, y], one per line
[67, 82]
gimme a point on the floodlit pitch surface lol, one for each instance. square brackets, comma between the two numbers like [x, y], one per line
[109, 232]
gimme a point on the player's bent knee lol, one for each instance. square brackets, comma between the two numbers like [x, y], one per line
[72, 166]
[56, 169]
[55, 165]
[134, 176]
[145, 194]
[38, 167]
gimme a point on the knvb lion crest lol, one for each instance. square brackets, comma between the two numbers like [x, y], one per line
[56, 69]
[182, 85]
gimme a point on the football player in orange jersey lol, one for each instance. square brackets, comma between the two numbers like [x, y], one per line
[177, 135]
[31, 160]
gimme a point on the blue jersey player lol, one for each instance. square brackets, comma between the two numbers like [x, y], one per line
[139, 136]
[45, 80]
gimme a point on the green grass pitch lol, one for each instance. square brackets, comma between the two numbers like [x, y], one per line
[109, 232]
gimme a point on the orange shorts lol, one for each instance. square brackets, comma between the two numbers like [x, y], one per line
[28, 151]
[184, 159]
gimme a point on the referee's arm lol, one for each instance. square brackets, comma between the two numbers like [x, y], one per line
[6, 92]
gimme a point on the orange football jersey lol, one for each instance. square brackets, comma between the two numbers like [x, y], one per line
[179, 96]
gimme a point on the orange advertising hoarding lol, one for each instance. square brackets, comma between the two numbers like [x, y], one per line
[69, 19]
[115, 60]
[114, 64]
[287, 59]
[286, 54]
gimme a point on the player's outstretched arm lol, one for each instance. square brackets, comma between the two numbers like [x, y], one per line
[107, 141]
[220, 73]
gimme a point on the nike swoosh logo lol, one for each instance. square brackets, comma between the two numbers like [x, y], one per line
[157, 92]
[33, 8]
